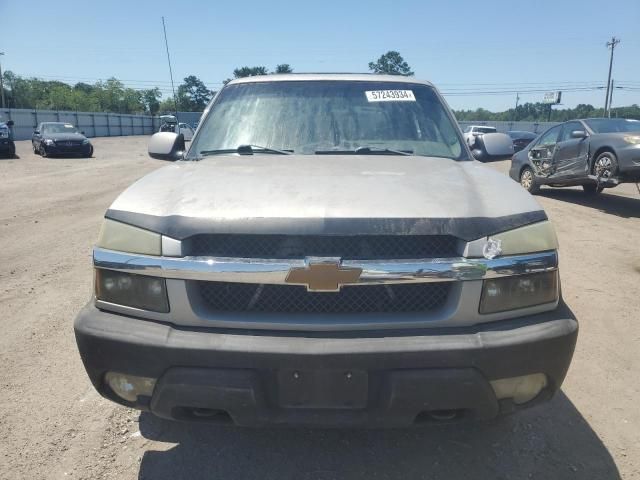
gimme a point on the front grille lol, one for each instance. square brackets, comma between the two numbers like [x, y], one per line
[355, 247]
[247, 297]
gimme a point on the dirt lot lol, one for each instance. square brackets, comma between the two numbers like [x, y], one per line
[54, 425]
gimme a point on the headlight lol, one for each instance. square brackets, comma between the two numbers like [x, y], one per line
[127, 238]
[633, 139]
[48, 141]
[537, 237]
[520, 291]
[137, 291]
[85, 141]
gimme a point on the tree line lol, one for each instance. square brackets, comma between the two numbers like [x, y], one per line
[193, 95]
[539, 112]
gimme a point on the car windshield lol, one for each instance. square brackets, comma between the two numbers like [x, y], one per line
[306, 117]
[612, 125]
[59, 128]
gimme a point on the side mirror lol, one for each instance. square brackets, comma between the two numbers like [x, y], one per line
[167, 146]
[578, 134]
[36, 132]
[82, 132]
[10, 123]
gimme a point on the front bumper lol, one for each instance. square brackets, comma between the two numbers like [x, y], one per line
[60, 149]
[629, 163]
[375, 378]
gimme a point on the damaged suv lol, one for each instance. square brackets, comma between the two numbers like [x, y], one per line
[325, 253]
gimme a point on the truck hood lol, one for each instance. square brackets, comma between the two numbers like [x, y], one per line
[328, 194]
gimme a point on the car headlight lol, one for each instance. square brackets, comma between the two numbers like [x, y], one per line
[633, 139]
[131, 290]
[85, 141]
[48, 141]
[520, 291]
[127, 238]
[537, 237]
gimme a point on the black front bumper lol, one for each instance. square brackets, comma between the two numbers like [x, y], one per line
[58, 149]
[258, 378]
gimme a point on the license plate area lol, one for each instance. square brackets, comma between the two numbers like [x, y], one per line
[346, 389]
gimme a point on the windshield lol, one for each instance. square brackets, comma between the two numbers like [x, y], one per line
[306, 117]
[612, 125]
[59, 128]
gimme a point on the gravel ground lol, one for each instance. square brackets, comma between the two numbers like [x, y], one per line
[54, 425]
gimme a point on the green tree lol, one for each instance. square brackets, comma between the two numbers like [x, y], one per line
[247, 72]
[284, 68]
[193, 95]
[151, 100]
[391, 63]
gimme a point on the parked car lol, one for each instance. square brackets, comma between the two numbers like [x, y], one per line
[486, 143]
[7, 146]
[328, 254]
[473, 131]
[169, 123]
[186, 130]
[60, 138]
[521, 139]
[595, 153]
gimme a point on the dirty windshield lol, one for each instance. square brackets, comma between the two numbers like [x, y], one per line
[307, 117]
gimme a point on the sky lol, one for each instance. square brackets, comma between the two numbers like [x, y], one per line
[470, 50]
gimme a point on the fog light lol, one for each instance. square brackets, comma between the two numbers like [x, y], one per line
[138, 291]
[128, 387]
[521, 389]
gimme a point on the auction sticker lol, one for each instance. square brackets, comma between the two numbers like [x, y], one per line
[390, 96]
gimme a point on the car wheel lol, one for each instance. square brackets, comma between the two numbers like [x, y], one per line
[528, 180]
[89, 153]
[592, 189]
[43, 151]
[605, 165]
[35, 149]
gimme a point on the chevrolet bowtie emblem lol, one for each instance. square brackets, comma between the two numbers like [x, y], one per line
[323, 275]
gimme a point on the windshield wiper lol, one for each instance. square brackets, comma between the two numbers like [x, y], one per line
[366, 150]
[246, 149]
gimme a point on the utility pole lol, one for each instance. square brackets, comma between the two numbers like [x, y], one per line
[166, 44]
[610, 100]
[517, 100]
[612, 45]
[1, 83]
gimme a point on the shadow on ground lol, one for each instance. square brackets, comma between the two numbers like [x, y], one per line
[626, 207]
[552, 441]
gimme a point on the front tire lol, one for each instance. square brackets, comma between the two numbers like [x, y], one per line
[528, 181]
[605, 165]
[89, 153]
[43, 151]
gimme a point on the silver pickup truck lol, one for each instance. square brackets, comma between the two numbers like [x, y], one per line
[325, 253]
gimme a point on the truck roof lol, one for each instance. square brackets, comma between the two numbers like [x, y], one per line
[353, 77]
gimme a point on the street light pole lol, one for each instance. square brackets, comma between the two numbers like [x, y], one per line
[1, 82]
[612, 45]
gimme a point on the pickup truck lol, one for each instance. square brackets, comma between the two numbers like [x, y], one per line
[325, 253]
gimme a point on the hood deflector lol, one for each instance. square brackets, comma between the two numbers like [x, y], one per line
[180, 227]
